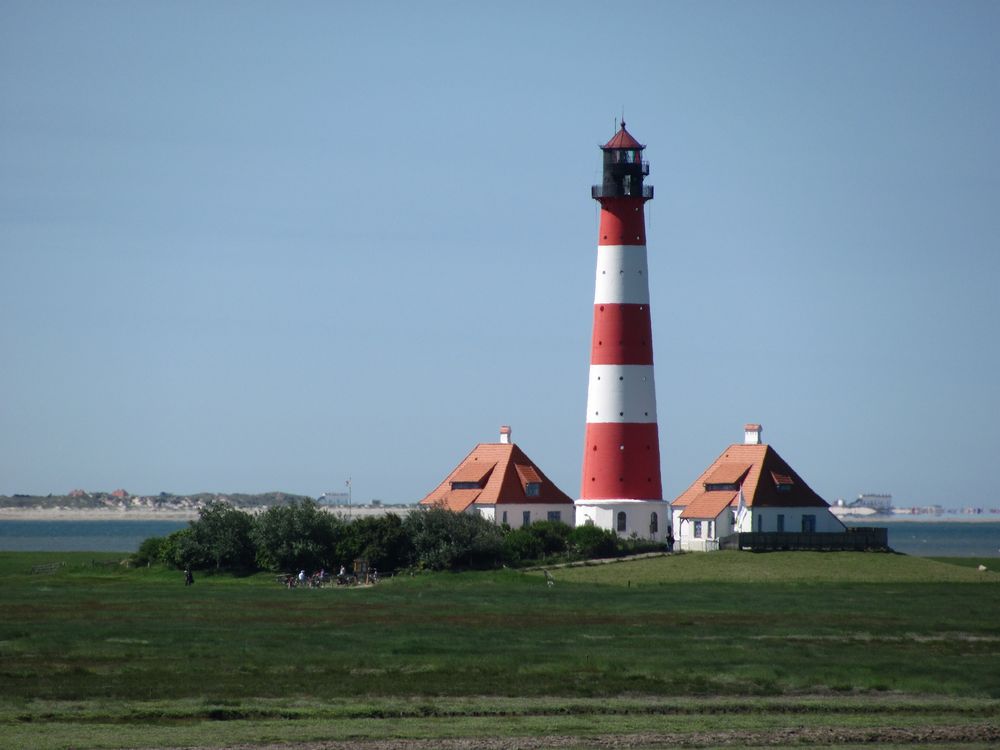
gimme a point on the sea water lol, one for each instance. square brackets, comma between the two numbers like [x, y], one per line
[942, 538]
[81, 536]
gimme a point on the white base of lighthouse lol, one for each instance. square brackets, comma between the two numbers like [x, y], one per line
[646, 519]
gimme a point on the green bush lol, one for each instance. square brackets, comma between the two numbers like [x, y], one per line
[589, 541]
[552, 535]
[182, 549]
[443, 540]
[521, 546]
[223, 533]
[298, 536]
[149, 551]
[381, 540]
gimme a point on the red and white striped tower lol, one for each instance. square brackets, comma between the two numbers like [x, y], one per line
[621, 488]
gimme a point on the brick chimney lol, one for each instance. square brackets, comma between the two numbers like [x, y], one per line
[505, 434]
[751, 434]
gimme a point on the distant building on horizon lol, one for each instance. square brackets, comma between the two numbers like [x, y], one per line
[334, 498]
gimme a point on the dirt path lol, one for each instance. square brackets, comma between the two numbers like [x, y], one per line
[983, 733]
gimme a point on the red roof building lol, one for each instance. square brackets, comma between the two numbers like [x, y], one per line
[749, 487]
[500, 482]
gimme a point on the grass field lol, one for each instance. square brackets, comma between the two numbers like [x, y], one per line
[666, 650]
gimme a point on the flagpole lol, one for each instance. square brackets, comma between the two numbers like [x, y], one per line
[348, 497]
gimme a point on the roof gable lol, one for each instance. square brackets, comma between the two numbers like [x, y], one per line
[709, 505]
[505, 472]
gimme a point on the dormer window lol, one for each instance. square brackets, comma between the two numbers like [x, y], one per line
[782, 482]
[726, 477]
[721, 487]
[531, 480]
[472, 476]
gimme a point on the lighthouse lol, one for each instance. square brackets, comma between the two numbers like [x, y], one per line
[620, 486]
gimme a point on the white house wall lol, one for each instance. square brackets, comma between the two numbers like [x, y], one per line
[766, 520]
[712, 529]
[515, 513]
[604, 514]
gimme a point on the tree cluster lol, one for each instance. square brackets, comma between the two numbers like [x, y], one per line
[302, 536]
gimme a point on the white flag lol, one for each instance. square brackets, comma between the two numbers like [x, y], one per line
[741, 509]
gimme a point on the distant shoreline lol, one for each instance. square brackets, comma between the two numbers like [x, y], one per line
[95, 514]
[921, 518]
[173, 514]
[151, 514]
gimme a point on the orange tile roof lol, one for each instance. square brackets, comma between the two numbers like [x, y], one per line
[455, 500]
[729, 472]
[759, 486]
[505, 483]
[527, 473]
[709, 504]
[472, 472]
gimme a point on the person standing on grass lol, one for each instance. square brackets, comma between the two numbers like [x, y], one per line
[188, 577]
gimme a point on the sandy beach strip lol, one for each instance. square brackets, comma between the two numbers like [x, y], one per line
[95, 514]
[165, 514]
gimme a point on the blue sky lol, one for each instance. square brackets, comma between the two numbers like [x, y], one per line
[256, 246]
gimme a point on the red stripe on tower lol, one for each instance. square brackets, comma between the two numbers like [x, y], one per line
[621, 462]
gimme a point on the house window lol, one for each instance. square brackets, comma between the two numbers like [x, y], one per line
[526, 518]
[654, 523]
[697, 529]
[504, 519]
[621, 520]
[808, 524]
[721, 487]
[533, 489]
[781, 522]
[555, 515]
[465, 485]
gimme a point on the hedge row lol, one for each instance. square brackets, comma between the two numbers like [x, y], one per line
[302, 536]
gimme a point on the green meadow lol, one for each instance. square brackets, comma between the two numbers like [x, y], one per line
[803, 648]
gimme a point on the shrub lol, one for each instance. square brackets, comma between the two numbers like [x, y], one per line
[590, 541]
[298, 536]
[149, 551]
[223, 534]
[443, 540]
[181, 550]
[552, 535]
[521, 546]
[380, 540]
